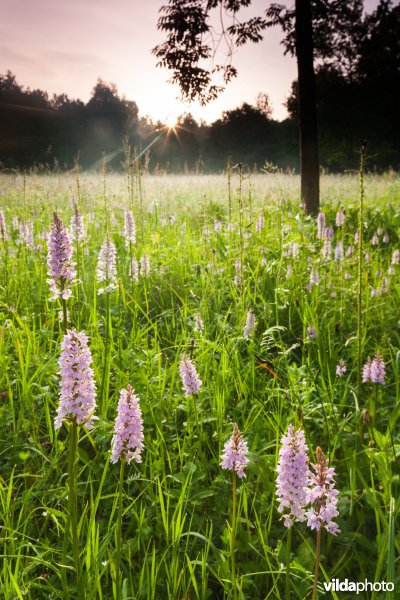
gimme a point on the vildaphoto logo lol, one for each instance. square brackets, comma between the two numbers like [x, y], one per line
[336, 585]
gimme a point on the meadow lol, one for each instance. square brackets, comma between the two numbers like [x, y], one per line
[278, 312]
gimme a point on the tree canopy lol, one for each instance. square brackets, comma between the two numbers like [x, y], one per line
[355, 101]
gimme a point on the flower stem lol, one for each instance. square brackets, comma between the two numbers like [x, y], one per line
[103, 388]
[72, 505]
[317, 559]
[360, 272]
[288, 549]
[119, 533]
[65, 314]
[233, 535]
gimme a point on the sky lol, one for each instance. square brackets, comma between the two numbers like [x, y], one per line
[64, 46]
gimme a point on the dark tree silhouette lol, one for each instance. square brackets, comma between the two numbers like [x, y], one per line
[190, 41]
[320, 32]
[309, 155]
[358, 91]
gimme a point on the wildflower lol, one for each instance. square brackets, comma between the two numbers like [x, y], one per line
[321, 223]
[349, 251]
[260, 223]
[191, 381]
[367, 257]
[128, 429]
[198, 323]
[322, 495]
[144, 265]
[129, 228]
[366, 374]
[263, 261]
[385, 238]
[61, 268]
[77, 393]
[314, 279]
[106, 266]
[294, 249]
[77, 227]
[377, 372]
[395, 257]
[289, 271]
[23, 232]
[250, 325]
[134, 269]
[341, 368]
[326, 250]
[328, 233]
[339, 252]
[3, 229]
[217, 226]
[234, 455]
[311, 333]
[340, 217]
[375, 239]
[384, 286]
[238, 277]
[292, 478]
[29, 235]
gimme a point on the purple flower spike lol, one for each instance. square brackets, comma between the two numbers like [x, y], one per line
[144, 265]
[339, 251]
[61, 268]
[322, 495]
[292, 478]
[107, 267]
[340, 217]
[234, 454]
[77, 227]
[340, 368]
[3, 229]
[129, 228]
[366, 374]
[128, 429]
[321, 224]
[78, 389]
[191, 381]
[311, 333]
[378, 369]
[250, 325]
[134, 269]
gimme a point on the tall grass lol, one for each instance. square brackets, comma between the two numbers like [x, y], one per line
[175, 537]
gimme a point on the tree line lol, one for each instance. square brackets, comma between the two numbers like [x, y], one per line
[358, 94]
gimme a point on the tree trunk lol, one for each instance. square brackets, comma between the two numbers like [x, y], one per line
[309, 158]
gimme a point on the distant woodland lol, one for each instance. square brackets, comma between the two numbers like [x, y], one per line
[358, 99]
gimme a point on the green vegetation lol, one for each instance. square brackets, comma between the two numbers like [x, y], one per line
[175, 508]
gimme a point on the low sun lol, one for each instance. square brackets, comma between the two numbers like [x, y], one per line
[171, 126]
[170, 121]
